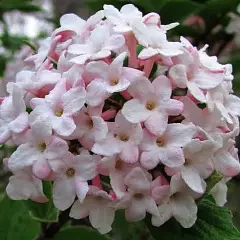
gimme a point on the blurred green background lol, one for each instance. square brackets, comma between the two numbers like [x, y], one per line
[212, 22]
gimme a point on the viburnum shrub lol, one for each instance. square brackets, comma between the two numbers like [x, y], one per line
[118, 117]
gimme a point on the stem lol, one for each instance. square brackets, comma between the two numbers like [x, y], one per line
[132, 43]
[148, 65]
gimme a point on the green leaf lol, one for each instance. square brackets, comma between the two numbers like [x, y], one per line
[213, 180]
[15, 222]
[2, 64]
[132, 231]
[215, 8]
[77, 233]
[177, 10]
[213, 223]
[21, 6]
[44, 212]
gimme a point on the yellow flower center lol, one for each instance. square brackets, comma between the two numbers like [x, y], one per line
[150, 105]
[70, 172]
[42, 146]
[59, 113]
[124, 137]
[119, 164]
[160, 141]
[90, 123]
[114, 82]
[138, 196]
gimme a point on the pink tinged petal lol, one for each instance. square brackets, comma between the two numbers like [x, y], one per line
[161, 194]
[101, 54]
[17, 99]
[41, 129]
[19, 188]
[81, 189]
[207, 80]
[63, 193]
[193, 180]
[130, 9]
[173, 107]
[122, 85]
[149, 160]
[37, 192]
[129, 153]
[226, 164]
[137, 181]
[117, 183]
[73, 100]
[136, 211]
[41, 111]
[224, 112]
[56, 148]
[41, 168]
[102, 218]
[72, 22]
[24, 156]
[175, 157]
[151, 206]
[131, 74]
[168, 52]
[78, 49]
[107, 147]
[115, 68]
[96, 93]
[184, 210]
[178, 73]
[114, 42]
[106, 165]
[178, 135]
[5, 133]
[81, 59]
[149, 142]
[219, 193]
[147, 53]
[135, 112]
[100, 128]
[141, 89]
[112, 14]
[162, 87]
[98, 67]
[151, 18]
[165, 213]
[86, 141]
[233, 104]
[86, 166]
[122, 28]
[157, 123]
[80, 210]
[196, 92]
[63, 125]
[95, 18]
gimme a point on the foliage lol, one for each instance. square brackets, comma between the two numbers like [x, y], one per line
[213, 223]
[15, 222]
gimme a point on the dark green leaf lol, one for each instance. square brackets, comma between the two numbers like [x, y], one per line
[15, 222]
[129, 231]
[217, 8]
[213, 223]
[77, 233]
[213, 180]
[24, 7]
[2, 65]
[44, 212]
[177, 10]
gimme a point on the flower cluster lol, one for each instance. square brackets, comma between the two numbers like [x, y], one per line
[118, 117]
